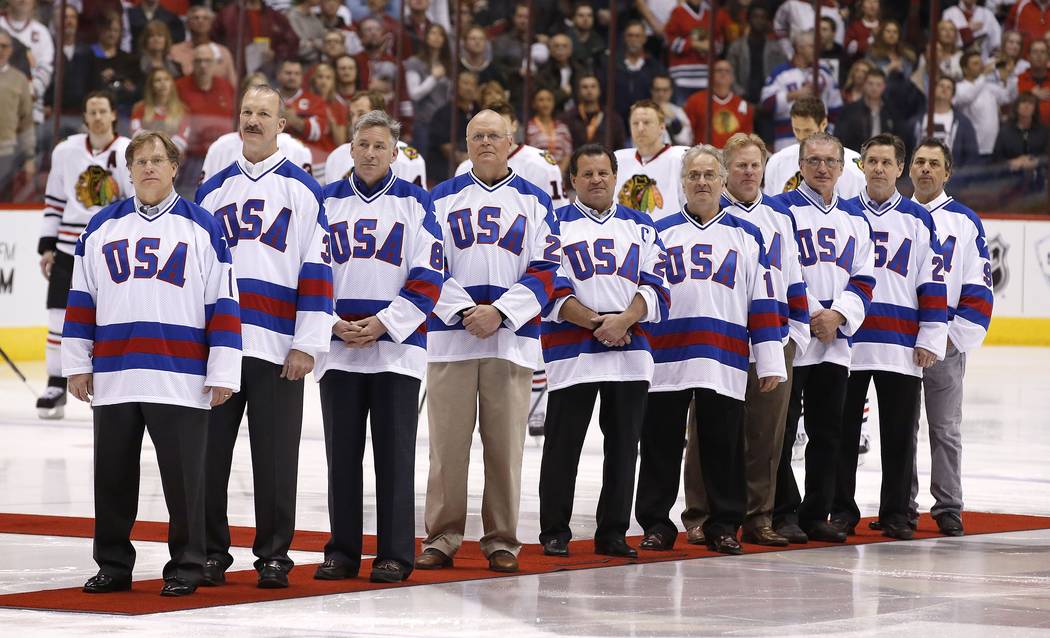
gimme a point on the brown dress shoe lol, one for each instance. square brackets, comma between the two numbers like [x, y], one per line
[503, 561]
[695, 535]
[763, 535]
[433, 559]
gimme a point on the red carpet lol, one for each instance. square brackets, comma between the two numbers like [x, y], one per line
[470, 565]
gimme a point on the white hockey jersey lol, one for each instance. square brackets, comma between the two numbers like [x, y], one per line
[779, 238]
[967, 270]
[501, 248]
[387, 261]
[908, 307]
[536, 166]
[723, 306]
[37, 39]
[605, 261]
[408, 165]
[838, 264]
[652, 186]
[81, 183]
[227, 149]
[787, 78]
[783, 174]
[274, 222]
[153, 311]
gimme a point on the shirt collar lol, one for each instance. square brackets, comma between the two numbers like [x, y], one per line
[368, 192]
[935, 202]
[745, 205]
[874, 206]
[817, 198]
[256, 170]
[597, 214]
[155, 210]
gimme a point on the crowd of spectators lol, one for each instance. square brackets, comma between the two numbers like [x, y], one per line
[178, 65]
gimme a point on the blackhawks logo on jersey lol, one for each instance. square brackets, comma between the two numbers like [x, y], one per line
[794, 182]
[410, 152]
[641, 193]
[856, 160]
[96, 187]
[550, 158]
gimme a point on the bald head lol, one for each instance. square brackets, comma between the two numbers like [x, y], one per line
[488, 145]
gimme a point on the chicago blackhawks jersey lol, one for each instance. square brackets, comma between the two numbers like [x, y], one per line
[501, 248]
[787, 78]
[153, 311]
[723, 307]
[908, 307]
[274, 223]
[783, 174]
[536, 166]
[408, 165]
[81, 183]
[652, 186]
[41, 47]
[606, 259]
[779, 238]
[967, 271]
[838, 264]
[388, 262]
[225, 151]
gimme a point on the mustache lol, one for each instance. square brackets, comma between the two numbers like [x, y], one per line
[252, 129]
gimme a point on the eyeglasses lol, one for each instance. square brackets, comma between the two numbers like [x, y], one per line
[814, 162]
[146, 161]
[492, 138]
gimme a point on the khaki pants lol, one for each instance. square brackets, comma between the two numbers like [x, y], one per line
[764, 421]
[495, 394]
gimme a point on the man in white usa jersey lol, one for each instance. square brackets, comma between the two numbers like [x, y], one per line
[153, 341]
[766, 413]
[88, 173]
[838, 263]
[968, 278]
[273, 218]
[648, 179]
[725, 304]
[903, 333]
[225, 151]
[607, 286]
[408, 165]
[502, 252]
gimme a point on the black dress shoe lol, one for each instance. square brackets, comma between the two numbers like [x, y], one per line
[657, 542]
[845, 526]
[826, 532]
[793, 533]
[899, 531]
[950, 524]
[177, 587]
[555, 547]
[724, 544]
[618, 547]
[273, 575]
[104, 584]
[387, 570]
[331, 570]
[214, 574]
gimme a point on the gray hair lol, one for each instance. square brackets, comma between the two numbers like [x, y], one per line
[704, 149]
[799, 38]
[817, 138]
[266, 90]
[378, 119]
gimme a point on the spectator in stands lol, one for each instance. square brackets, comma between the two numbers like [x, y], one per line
[429, 84]
[1036, 80]
[74, 81]
[417, 25]
[635, 70]
[678, 129]
[91, 21]
[19, 22]
[587, 45]
[199, 22]
[346, 84]
[978, 96]
[794, 80]
[211, 103]
[949, 56]
[335, 15]
[333, 46]
[267, 39]
[509, 48]
[110, 68]
[154, 46]
[17, 132]
[588, 122]
[491, 92]
[1009, 55]
[305, 112]
[754, 57]
[546, 132]
[832, 54]
[560, 73]
[448, 148]
[889, 53]
[322, 81]
[854, 88]
[861, 32]
[161, 110]
[977, 27]
[380, 11]
[794, 16]
[690, 43]
[1022, 142]
[732, 114]
[872, 115]
[1031, 18]
[309, 28]
[950, 125]
[149, 11]
[375, 60]
[476, 57]
[736, 27]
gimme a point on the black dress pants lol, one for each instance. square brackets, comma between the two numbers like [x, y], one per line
[720, 442]
[898, 396]
[180, 435]
[275, 423]
[823, 388]
[349, 400]
[568, 416]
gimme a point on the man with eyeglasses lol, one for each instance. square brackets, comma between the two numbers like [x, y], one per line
[502, 251]
[838, 263]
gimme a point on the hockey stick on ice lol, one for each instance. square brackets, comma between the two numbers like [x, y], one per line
[17, 371]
